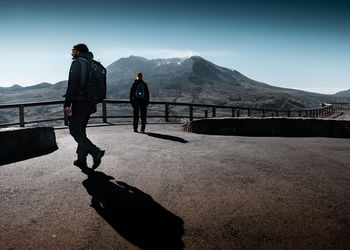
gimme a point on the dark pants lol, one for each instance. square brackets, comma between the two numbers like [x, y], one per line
[140, 108]
[81, 111]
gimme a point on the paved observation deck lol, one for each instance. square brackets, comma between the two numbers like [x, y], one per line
[173, 189]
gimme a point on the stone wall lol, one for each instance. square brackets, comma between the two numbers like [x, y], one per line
[302, 127]
[23, 143]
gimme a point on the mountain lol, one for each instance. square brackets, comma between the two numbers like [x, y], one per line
[39, 86]
[40, 92]
[13, 87]
[191, 79]
[199, 81]
[345, 93]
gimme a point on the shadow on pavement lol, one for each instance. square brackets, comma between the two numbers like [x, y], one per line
[167, 137]
[8, 159]
[133, 213]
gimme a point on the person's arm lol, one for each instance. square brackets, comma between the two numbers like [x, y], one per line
[73, 83]
[147, 94]
[132, 93]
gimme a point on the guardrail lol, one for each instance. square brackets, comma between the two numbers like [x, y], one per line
[341, 104]
[234, 111]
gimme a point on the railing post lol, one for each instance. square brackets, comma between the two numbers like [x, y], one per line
[249, 112]
[263, 111]
[191, 112]
[288, 113]
[307, 113]
[299, 113]
[104, 111]
[233, 112]
[238, 112]
[214, 111]
[206, 113]
[21, 115]
[276, 113]
[65, 116]
[166, 112]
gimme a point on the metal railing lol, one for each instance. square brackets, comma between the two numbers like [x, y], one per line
[343, 105]
[194, 111]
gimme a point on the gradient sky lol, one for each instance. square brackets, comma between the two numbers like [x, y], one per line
[295, 44]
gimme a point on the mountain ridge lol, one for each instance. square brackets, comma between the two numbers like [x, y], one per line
[191, 79]
[344, 93]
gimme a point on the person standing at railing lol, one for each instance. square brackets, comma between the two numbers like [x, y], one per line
[79, 108]
[139, 99]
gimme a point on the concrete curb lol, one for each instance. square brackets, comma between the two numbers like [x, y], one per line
[288, 127]
[23, 143]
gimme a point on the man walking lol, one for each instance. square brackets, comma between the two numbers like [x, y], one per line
[139, 99]
[79, 108]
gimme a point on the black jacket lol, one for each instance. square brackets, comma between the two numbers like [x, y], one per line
[74, 80]
[133, 90]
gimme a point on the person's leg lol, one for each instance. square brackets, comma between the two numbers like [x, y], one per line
[77, 127]
[136, 116]
[143, 117]
[76, 131]
[96, 152]
[82, 154]
[92, 147]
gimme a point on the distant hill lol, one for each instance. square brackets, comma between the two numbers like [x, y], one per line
[192, 79]
[35, 93]
[345, 93]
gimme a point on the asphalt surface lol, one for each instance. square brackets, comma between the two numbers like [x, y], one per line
[340, 114]
[171, 190]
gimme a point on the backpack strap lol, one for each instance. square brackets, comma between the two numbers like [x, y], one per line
[84, 71]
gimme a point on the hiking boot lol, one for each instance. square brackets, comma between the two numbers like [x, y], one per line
[80, 164]
[97, 158]
[136, 131]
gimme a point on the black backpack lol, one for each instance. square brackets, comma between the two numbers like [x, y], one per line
[140, 91]
[93, 83]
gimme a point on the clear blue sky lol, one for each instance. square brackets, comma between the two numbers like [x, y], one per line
[296, 44]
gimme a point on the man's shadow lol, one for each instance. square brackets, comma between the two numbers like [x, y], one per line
[133, 213]
[167, 137]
